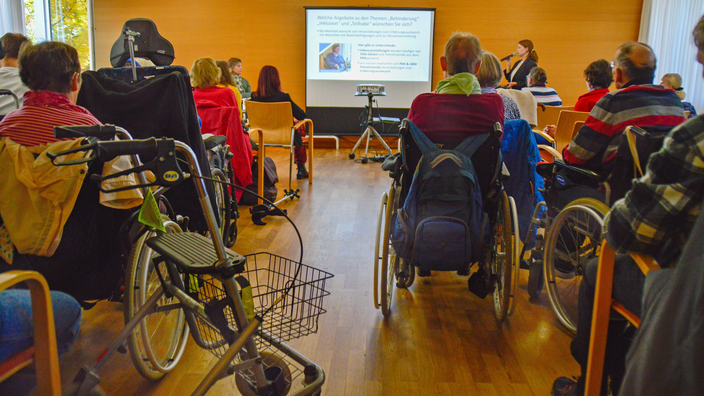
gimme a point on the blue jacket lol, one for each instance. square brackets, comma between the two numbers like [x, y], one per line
[520, 154]
[331, 60]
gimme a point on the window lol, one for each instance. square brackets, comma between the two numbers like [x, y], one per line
[68, 21]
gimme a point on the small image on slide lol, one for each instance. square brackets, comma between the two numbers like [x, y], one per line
[335, 57]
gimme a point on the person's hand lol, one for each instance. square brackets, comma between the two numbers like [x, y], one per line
[337, 66]
[511, 85]
[550, 130]
[508, 64]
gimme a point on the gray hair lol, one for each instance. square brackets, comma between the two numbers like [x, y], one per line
[632, 70]
[463, 53]
[489, 74]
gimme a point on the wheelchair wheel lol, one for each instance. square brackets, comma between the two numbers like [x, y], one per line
[389, 261]
[222, 198]
[574, 238]
[502, 259]
[157, 343]
[515, 267]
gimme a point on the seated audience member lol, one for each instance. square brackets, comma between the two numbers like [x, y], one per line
[17, 332]
[599, 79]
[636, 101]
[537, 78]
[458, 109]
[241, 83]
[654, 218]
[334, 60]
[220, 115]
[226, 81]
[269, 90]
[489, 77]
[9, 73]
[674, 81]
[52, 71]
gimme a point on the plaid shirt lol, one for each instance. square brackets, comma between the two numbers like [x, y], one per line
[657, 215]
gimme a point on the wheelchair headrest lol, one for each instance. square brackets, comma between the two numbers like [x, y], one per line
[149, 44]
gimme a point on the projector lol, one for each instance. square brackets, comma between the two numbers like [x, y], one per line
[370, 89]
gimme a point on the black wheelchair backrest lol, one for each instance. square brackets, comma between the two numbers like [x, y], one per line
[149, 44]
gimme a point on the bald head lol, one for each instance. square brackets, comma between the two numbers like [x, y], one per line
[635, 61]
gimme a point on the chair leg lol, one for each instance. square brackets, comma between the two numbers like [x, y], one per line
[310, 152]
[600, 320]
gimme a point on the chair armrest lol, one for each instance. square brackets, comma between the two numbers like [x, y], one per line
[45, 351]
[547, 137]
[541, 106]
[260, 162]
[555, 154]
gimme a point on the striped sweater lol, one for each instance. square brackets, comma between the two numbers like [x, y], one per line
[651, 107]
[545, 95]
[33, 123]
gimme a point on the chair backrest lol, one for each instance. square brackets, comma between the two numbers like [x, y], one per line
[548, 115]
[526, 102]
[624, 167]
[274, 119]
[565, 127]
[687, 113]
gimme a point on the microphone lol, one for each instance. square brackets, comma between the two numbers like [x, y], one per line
[507, 57]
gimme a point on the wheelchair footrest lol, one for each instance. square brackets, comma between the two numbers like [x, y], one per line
[193, 253]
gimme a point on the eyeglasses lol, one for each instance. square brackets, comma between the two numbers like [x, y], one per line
[613, 64]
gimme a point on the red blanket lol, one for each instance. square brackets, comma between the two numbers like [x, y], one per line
[453, 118]
[217, 108]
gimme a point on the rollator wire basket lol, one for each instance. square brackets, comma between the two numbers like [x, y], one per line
[269, 276]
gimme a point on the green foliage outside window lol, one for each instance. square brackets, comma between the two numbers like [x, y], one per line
[69, 24]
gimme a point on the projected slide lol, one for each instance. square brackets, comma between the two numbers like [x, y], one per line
[369, 44]
[350, 46]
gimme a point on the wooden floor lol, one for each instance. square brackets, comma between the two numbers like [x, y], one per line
[439, 340]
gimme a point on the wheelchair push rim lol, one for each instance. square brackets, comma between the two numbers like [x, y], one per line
[502, 258]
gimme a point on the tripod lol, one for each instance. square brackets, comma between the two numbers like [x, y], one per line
[369, 131]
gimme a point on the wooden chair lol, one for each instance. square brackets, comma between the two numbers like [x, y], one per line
[44, 353]
[566, 128]
[603, 303]
[686, 113]
[275, 120]
[548, 115]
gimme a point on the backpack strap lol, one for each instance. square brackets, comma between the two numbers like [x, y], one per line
[471, 144]
[424, 144]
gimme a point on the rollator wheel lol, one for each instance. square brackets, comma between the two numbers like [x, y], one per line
[222, 198]
[73, 388]
[574, 239]
[157, 343]
[502, 259]
[273, 365]
[351, 155]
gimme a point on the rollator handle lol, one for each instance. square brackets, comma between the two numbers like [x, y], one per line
[102, 132]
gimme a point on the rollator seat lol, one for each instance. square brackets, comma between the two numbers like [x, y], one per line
[192, 252]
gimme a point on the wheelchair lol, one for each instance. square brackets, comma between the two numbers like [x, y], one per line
[219, 158]
[567, 227]
[241, 308]
[496, 256]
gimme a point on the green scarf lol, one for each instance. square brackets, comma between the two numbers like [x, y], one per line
[461, 83]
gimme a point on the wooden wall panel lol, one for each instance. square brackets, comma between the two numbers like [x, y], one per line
[568, 34]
